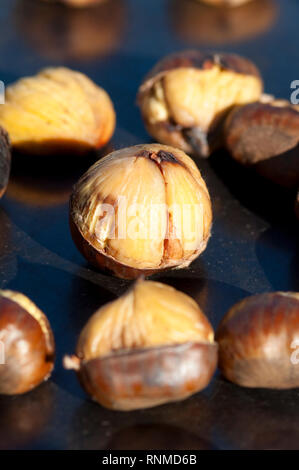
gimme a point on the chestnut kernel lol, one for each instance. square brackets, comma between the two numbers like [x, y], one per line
[258, 338]
[5, 160]
[27, 344]
[153, 345]
[140, 210]
[265, 136]
[57, 111]
[186, 96]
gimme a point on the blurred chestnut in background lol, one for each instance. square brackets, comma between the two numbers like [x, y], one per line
[76, 3]
[60, 33]
[186, 96]
[5, 160]
[141, 210]
[27, 344]
[265, 136]
[153, 345]
[258, 341]
[225, 3]
[203, 24]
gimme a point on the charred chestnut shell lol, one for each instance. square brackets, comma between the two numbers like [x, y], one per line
[27, 344]
[5, 159]
[265, 136]
[177, 98]
[258, 341]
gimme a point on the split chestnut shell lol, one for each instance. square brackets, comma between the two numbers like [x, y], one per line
[26, 344]
[141, 210]
[259, 340]
[186, 96]
[151, 346]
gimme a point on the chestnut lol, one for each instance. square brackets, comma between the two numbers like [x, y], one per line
[141, 210]
[26, 342]
[5, 160]
[258, 341]
[186, 96]
[57, 111]
[151, 346]
[197, 23]
[265, 136]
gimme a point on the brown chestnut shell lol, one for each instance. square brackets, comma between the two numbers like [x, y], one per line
[27, 345]
[5, 160]
[258, 339]
[149, 377]
[266, 137]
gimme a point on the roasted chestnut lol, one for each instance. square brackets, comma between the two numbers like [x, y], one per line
[151, 346]
[258, 341]
[265, 136]
[26, 344]
[57, 111]
[140, 210]
[5, 159]
[186, 96]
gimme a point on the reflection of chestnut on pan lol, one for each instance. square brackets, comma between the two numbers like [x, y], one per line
[157, 436]
[5, 159]
[60, 33]
[151, 346]
[186, 96]
[259, 339]
[203, 24]
[265, 136]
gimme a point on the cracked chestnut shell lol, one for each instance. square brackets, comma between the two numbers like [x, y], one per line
[5, 160]
[186, 96]
[265, 136]
[258, 341]
[140, 210]
[151, 346]
[57, 111]
[27, 344]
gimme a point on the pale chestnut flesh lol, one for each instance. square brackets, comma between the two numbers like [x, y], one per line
[186, 96]
[140, 210]
[151, 346]
[5, 159]
[258, 341]
[27, 344]
[265, 135]
[57, 111]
